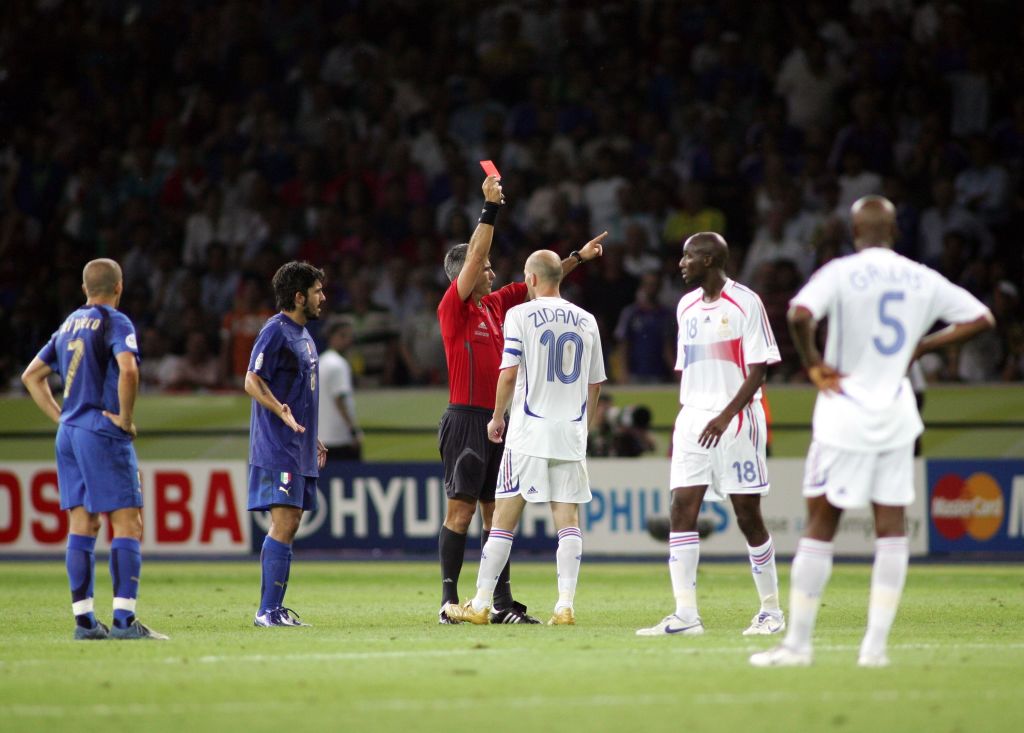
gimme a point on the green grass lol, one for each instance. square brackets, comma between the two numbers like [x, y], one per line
[421, 409]
[375, 658]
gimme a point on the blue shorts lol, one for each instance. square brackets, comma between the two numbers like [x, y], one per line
[96, 471]
[270, 488]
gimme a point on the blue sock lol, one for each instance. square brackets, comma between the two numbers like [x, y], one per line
[276, 561]
[80, 560]
[125, 569]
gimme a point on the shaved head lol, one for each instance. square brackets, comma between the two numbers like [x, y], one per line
[100, 277]
[874, 222]
[546, 265]
[711, 244]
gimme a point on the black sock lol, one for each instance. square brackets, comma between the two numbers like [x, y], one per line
[451, 548]
[503, 590]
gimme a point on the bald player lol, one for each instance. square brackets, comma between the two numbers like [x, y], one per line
[725, 346]
[879, 305]
[552, 368]
[96, 354]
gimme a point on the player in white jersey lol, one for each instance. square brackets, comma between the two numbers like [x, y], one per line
[551, 373]
[879, 305]
[725, 345]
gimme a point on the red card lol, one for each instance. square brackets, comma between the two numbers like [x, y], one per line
[490, 169]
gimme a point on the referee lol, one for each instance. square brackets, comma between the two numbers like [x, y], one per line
[471, 319]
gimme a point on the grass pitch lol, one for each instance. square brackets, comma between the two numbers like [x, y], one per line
[376, 659]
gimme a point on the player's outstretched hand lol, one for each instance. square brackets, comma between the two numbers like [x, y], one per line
[289, 419]
[712, 432]
[593, 249]
[124, 423]
[321, 453]
[825, 378]
[496, 429]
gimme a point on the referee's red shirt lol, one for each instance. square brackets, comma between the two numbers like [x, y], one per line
[473, 341]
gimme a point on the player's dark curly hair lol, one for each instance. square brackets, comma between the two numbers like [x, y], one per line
[292, 278]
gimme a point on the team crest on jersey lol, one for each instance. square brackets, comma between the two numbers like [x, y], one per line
[131, 343]
[286, 478]
[723, 327]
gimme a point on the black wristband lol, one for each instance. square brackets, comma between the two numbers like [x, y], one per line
[578, 256]
[489, 214]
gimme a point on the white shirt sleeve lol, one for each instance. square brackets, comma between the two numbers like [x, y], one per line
[512, 352]
[759, 345]
[820, 292]
[596, 374]
[680, 360]
[952, 304]
[343, 381]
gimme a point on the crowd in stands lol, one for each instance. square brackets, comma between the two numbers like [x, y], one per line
[203, 144]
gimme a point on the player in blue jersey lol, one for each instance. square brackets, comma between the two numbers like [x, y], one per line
[96, 353]
[285, 454]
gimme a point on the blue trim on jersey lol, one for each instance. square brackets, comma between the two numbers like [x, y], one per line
[513, 338]
[514, 352]
[526, 395]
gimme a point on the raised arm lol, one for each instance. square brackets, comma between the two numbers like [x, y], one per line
[480, 243]
[589, 251]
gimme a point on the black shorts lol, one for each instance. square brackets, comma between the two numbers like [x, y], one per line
[470, 460]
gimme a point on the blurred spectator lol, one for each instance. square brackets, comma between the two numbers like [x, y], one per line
[197, 368]
[646, 334]
[153, 354]
[240, 327]
[338, 428]
[777, 282]
[984, 187]
[808, 79]
[633, 436]
[218, 284]
[694, 215]
[602, 429]
[419, 343]
[373, 354]
[944, 216]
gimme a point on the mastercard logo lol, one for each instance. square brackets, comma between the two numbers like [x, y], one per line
[967, 506]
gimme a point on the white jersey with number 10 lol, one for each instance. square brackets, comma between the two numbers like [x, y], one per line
[557, 347]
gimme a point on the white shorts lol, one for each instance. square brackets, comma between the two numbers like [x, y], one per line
[737, 465]
[541, 480]
[851, 479]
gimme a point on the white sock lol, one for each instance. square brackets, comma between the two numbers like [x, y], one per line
[892, 555]
[492, 561]
[567, 561]
[683, 556]
[766, 578]
[812, 567]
